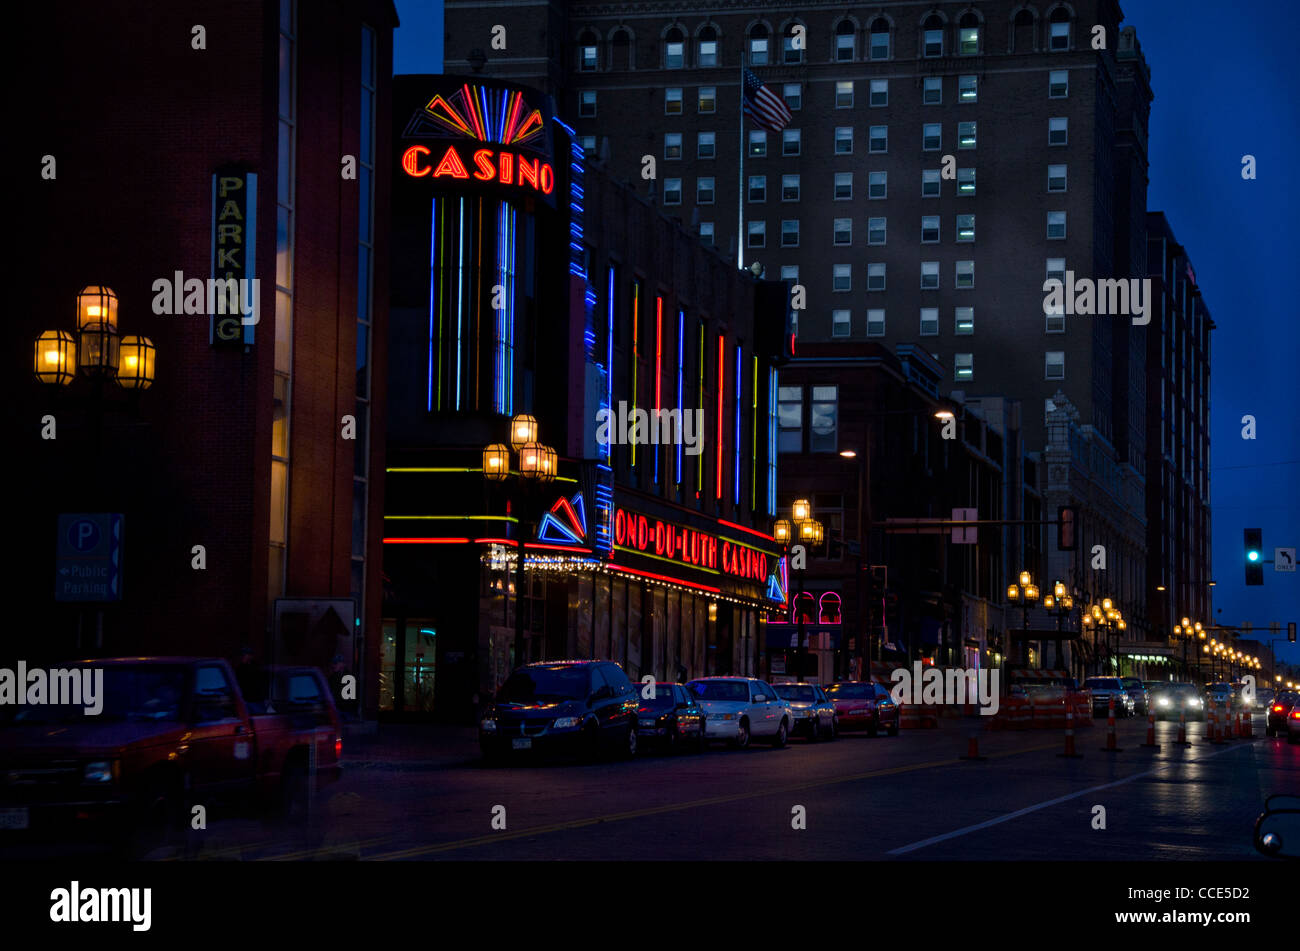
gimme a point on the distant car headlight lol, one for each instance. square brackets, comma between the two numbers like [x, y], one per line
[487, 725]
[100, 771]
[1163, 702]
[1196, 702]
[567, 723]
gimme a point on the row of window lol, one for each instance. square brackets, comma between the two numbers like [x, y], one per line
[934, 43]
[877, 140]
[1058, 87]
[756, 231]
[963, 325]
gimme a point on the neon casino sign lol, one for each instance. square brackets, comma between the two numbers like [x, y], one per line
[498, 117]
[688, 546]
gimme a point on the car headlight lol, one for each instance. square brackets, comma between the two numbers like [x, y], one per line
[1196, 702]
[567, 723]
[100, 771]
[1163, 702]
[487, 725]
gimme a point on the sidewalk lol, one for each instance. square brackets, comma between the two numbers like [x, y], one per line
[411, 746]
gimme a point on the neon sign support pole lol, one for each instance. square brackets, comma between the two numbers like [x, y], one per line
[740, 183]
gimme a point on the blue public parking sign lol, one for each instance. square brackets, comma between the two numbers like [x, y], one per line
[88, 563]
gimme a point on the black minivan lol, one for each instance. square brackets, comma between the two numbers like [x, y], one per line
[584, 707]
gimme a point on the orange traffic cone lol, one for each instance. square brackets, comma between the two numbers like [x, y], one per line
[1182, 729]
[1220, 728]
[1151, 732]
[1110, 746]
[1250, 725]
[1069, 737]
[973, 748]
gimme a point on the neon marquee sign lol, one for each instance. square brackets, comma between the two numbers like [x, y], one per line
[504, 167]
[688, 546]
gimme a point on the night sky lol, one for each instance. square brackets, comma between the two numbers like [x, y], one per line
[1223, 89]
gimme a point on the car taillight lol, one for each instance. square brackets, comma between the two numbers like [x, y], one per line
[1278, 708]
[338, 746]
[1295, 714]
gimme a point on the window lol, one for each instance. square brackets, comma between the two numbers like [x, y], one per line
[821, 419]
[844, 46]
[1055, 365]
[843, 231]
[878, 139]
[1058, 84]
[875, 231]
[963, 366]
[789, 187]
[877, 184]
[880, 38]
[706, 232]
[589, 145]
[930, 183]
[792, 93]
[844, 140]
[931, 136]
[674, 49]
[965, 274]
[1056, 178]
[965, 227]
[1058, 130]
[965, 135]
[672, 191]
[589, 57]
[789, 417]
[844, 94]
[758, 188]
[789, 54]
[1059, 30]
[1055, 323]
[707, 48]
[708, 99]
[757, 144]
[876, 322]
[672, 145]
[929, 275]
[876, 277]
[673, 101]
[704, 191]
[929, 229]
[843, 186]
[1056, 225]
[963, 321]
[932, 91]
[929, 321]
[758, 46]
[790, 141]
[790, 272]
[790, 232]
[841, 323]
[967, 89]
[933, 39]
[587, 103]
[757, 234]
[1056, 269]
[968, 40]
[965, 181]
[705, 145]
[841, 277]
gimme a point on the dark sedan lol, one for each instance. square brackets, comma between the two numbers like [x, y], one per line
[862, 705]
[670, 719]
[814, 714]
[1279, 710]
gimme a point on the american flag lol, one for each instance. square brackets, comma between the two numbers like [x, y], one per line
[763, 105]
[1191, 275]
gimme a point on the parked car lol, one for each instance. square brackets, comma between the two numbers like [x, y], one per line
[864, 705]
[1170, 701]
[1293, 724]
[1141, 699]
[814, 714]
[738, 709]
[1264, 697]
[583, 707]
[1279, 710]
[1103, 689]
[172, 731]
[1221, 695]
[670, 719]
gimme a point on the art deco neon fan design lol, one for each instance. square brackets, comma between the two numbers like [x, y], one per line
[476, 112]
[778, 582]
[565, 523]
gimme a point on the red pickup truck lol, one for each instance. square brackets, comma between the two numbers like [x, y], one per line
[173, 732]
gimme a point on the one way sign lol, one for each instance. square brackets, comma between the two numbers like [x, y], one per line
[1284, 559]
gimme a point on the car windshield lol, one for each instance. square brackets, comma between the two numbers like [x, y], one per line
[662, 700]
[720, 690]
[139, 693]
[533, 685]
[795, 692]
[850, 692]
[1101, 683]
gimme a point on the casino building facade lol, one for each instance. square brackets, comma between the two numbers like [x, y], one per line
[640, 365]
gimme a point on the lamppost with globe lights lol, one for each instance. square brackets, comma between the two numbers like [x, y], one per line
[537, 465]
[1187, 632]
[1023, 593]
[1059, 604]
[1104, 616]
[806, 530]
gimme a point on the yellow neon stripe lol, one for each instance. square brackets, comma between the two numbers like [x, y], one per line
[453, 518]
[671, 561]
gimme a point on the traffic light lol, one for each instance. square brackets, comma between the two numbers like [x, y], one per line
[1254, 556]
[1067, 517]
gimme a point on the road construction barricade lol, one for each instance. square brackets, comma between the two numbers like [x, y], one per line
[1082, 704]
[1014, 713]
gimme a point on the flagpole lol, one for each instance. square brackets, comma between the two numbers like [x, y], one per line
[740, 185]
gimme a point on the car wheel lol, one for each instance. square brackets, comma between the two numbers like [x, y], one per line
[629, 746]
[815, 731]
[893, 729]
[294, 798]
[702, 742]
[590, 742]
[782, 732]
[835, 728]
[671, 741]
[873, 728]
[742, 735]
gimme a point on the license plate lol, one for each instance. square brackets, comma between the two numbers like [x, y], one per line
[521, 743]
[13, 818]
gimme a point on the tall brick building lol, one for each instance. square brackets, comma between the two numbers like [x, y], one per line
[253, 138]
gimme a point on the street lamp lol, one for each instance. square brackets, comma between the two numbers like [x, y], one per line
[1024, 593]
[810, 532]
[96, 350]
[537, 464]
[1059, 604]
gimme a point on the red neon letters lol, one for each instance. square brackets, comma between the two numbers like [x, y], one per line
[504, 167]
[688, 546]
